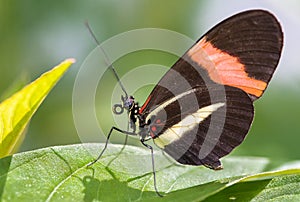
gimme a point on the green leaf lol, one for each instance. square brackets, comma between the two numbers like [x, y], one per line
[60, 174]
[16, 111]
[249, 188]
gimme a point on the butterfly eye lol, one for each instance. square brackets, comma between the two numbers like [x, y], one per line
[128, 103]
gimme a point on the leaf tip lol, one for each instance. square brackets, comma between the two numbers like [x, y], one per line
[70, 60]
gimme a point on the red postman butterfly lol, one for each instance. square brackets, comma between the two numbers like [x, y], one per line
[202, 108]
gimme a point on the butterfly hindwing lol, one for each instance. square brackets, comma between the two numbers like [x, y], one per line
[189, 104]
[203, 135]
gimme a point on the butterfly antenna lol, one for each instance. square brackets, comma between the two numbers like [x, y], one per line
[107, 61]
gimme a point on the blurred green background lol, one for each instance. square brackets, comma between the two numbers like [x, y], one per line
[36, 35]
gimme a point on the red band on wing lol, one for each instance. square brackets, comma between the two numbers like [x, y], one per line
[224, 68]
[144, 105]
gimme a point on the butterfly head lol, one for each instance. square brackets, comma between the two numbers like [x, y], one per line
[127, 104]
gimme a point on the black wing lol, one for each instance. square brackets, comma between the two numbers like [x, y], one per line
[202, 107]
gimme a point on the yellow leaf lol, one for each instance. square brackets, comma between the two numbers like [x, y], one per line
[16, 111]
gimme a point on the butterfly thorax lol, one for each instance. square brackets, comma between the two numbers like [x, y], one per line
[138, 123]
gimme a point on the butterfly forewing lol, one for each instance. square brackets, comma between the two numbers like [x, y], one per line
[243, 51]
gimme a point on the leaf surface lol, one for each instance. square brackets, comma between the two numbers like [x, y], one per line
[60, 174]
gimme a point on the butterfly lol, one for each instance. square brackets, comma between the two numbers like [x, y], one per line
[202, 108]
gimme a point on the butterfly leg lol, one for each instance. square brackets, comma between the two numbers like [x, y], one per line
[126, 140]
[124, 145]
[107, 139]
[118, 154]
[153, 167]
